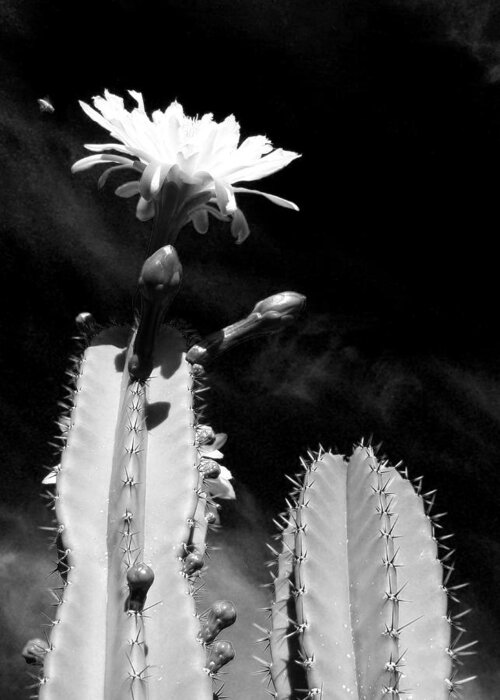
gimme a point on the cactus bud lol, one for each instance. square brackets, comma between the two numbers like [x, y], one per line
[160, 276]
[205, 435]
[268, 316]
[219, 655]
[282, 308]
[222, 614]
[159, 282]
[139, 579]
[192, 563]
[34, 650]
[209, 468]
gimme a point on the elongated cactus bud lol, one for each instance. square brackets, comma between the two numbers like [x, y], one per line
[221, 614]
[360, 587]
[268, 316]
[159, 283]
[219, 654]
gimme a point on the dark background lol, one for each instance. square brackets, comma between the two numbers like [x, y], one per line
[395, 107]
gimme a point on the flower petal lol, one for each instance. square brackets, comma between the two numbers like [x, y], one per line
[150, 178]
[200, 220]
[90, 161]
[272, 197]
[263, 167]
[145, 209]
[220, 441]
[225, 197]
[95, 116]
[239, 226]
[104, 176]
[107, 147]
[137, 96]
[128, 189]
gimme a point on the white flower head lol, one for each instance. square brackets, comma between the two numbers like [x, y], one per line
[199, 158]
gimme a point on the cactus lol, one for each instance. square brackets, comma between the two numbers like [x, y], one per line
[135, 491]
[360, 595]
[133, 500]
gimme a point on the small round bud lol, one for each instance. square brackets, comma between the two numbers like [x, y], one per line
[205, 435]
[222, 614]
[209, 468]
[219, 655]
[192, 563]
[34, 650]
[211, 518]
[139, 578]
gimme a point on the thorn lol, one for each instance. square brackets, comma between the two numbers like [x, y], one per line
[455, 652]
[453, 684]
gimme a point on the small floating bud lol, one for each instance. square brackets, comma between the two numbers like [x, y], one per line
[219, 655]
[222, 614]
[34, 651]
[139, 579]
[209, 468]
[192, 563]
[205, 435]
[85, 321]
[211, 518]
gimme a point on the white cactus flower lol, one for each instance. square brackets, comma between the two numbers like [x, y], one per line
[221, 487]
[199, 155]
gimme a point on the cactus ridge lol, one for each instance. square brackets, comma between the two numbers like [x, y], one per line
[360, 586]
[132, 511]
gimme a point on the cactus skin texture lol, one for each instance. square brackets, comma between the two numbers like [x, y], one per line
[361, 596]
[132, 511]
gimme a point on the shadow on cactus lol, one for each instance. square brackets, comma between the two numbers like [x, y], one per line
[360, 605]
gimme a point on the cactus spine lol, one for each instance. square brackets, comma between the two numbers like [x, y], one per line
[360, 598]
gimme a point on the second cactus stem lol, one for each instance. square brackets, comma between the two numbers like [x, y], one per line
[361, 594]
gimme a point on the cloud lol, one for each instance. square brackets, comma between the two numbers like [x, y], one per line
[474, 24]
